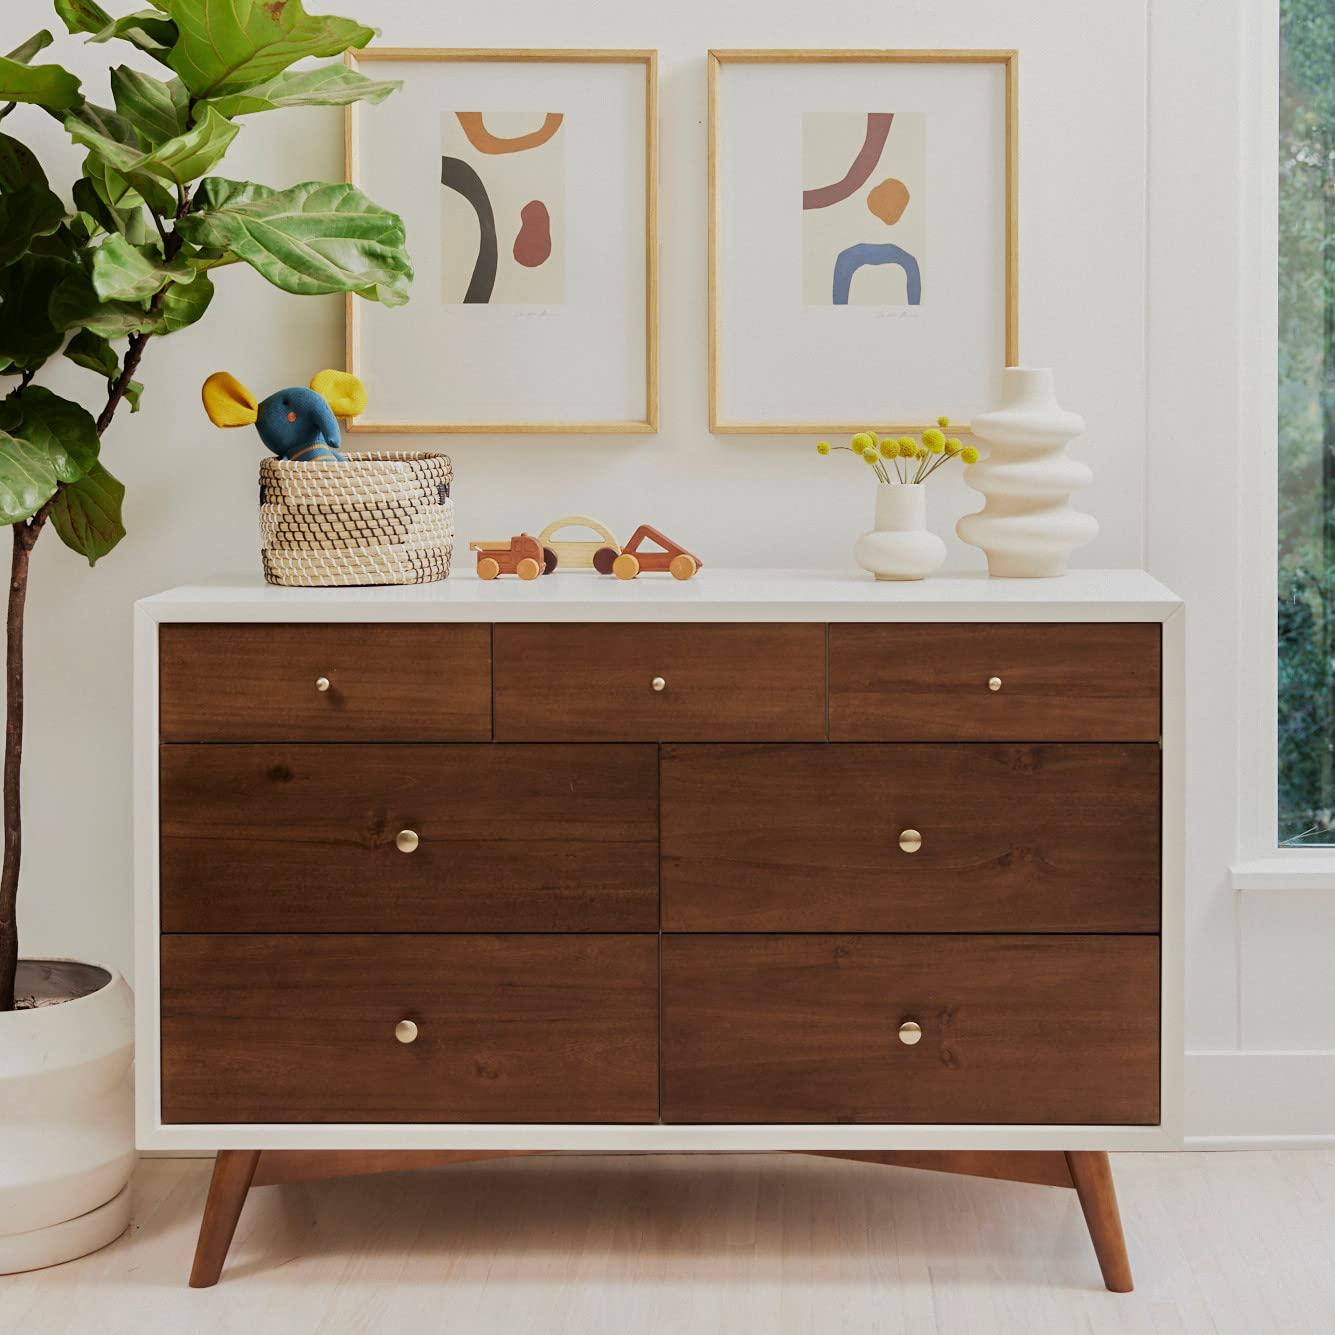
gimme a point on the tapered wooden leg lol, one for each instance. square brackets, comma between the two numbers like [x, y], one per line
[1092, 1175]
[233, 1171]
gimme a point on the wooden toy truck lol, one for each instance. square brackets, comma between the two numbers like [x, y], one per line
[631, 561]
[522, 555]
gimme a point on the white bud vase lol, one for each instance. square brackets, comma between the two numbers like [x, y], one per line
[1027, 528]
[900, 546]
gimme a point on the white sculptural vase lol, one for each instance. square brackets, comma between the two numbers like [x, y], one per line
[900, 546]
[1027, 527]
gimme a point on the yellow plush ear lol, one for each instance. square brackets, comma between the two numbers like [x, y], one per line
[344, 393]
[228, 402]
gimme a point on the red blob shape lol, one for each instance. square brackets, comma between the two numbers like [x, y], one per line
[533, 245]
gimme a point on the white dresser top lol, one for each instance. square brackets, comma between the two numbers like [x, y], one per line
[713, 595]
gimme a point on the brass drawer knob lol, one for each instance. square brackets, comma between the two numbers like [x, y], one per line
[994, 683]
[659, 683]
[910, 841]
[322, 683]
[910, 1032]
[406, 841]
[406, 1031]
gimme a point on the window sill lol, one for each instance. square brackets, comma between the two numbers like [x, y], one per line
[1289, 869]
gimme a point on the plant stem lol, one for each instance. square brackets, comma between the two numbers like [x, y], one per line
[25, 537]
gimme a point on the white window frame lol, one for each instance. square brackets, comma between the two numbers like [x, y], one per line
[1259, 862]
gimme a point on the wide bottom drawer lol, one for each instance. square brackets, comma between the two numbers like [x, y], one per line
[1010, 1029]
[288, 1028]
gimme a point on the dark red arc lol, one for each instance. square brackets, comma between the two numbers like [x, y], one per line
[878, 129]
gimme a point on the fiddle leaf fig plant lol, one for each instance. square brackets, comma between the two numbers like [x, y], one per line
[133, 253]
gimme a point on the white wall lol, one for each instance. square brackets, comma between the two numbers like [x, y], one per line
[1136, 297]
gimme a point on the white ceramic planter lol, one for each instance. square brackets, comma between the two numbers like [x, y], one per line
[66, 1118]
[1027, 528]
[900, 546]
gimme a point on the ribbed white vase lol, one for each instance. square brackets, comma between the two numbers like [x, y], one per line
[900, 546]
[1027, 528]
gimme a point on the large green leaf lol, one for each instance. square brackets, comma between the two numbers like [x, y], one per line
[227, 46]
[93, 353]
[18, 164]
[24, 52]
[62, 430]
[46, 86]
[74, 304]
[122, 272]
[27, 479]
[157, 110]
[87, 515]
[26, 213]
[310, 239]
[149, 30]
[183, 304]
[179, 160]
[323, 86]
[28, 335]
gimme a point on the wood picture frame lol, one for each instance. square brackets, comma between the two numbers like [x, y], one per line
[1008, 60]
[645, 422]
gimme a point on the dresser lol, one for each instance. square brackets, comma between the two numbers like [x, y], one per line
[762, 862]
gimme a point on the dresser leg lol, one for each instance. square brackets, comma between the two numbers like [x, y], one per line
[1092, 1176]
[233, 1171]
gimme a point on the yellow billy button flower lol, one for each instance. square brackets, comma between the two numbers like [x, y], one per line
[889, 449]
[943, 421]
[908, 447]
[861, 441]
[970, 454]
[954, 445]
[932, 438]
[823, 447]
[871, 454]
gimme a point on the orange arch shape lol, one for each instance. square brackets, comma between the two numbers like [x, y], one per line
[485, 142]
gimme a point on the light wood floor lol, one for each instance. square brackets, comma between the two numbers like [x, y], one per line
[718, 1245]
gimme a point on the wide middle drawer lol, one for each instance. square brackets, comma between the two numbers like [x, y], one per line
[386, 838]
[911, 838]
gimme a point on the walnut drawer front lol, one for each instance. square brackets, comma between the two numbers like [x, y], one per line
[911, 838]
[660, 682]
[509, 1029]
[325, 683]
[996, 682]
[1014, 1029]
[274, 838]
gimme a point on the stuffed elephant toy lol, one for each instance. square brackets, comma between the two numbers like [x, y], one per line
[299, 425]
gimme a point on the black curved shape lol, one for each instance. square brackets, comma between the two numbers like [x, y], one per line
[458, 175]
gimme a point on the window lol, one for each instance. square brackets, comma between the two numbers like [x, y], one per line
[1307, 423]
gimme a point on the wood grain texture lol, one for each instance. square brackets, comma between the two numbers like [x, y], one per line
[388, 683]
[1015, 838]
[281, 1166]
[286, 838]
[1062, 682]
[233, 1171]
[1092, 1175]
[1016, 1029]
[723, 682]
[510, 1028]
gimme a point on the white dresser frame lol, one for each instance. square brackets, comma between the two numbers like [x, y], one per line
[713, 596]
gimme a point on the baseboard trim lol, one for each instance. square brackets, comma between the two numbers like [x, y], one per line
[1239, 1099]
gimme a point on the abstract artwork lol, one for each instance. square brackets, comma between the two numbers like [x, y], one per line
[864, 208]
[503, 179]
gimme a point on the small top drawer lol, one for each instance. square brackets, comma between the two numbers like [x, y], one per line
[1066, 682]
[325, 683]
[647, 683]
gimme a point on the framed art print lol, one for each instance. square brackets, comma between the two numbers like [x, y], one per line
[527, 182]
[863, 260]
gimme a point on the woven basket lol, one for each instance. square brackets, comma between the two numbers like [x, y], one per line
[374, 519]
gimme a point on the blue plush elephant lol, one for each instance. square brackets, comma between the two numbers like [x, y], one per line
[297, 424]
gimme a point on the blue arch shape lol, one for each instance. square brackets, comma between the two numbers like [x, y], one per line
[852, 259]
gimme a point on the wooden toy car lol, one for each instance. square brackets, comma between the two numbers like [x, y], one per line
[522, 555]
[630, 561]
[578, 554]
